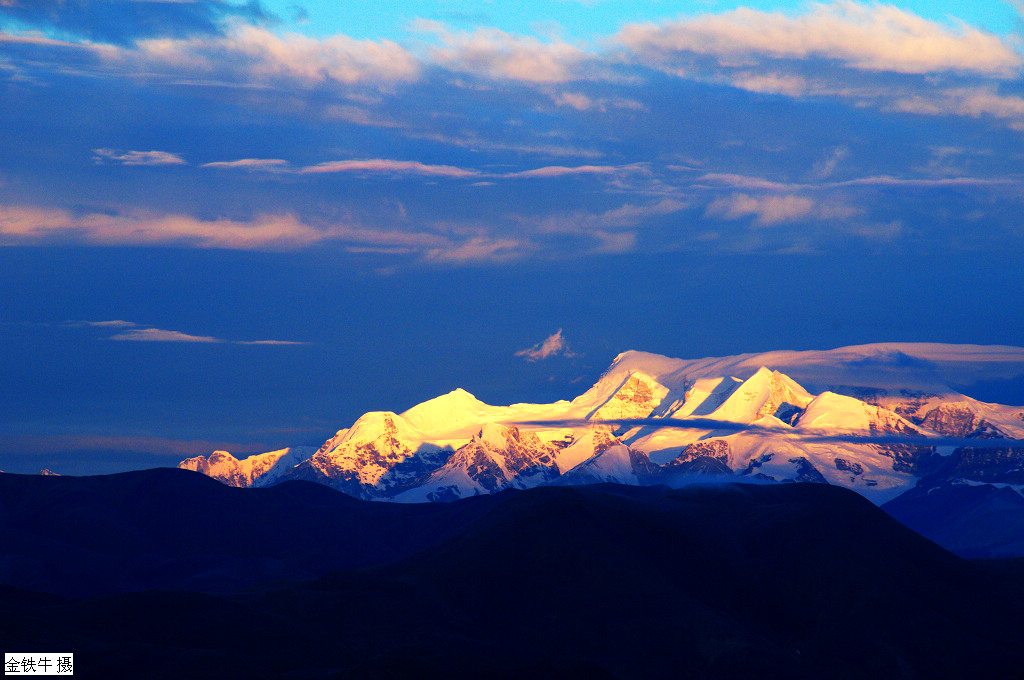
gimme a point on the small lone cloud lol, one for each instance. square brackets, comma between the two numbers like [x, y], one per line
[553, 345]
[265, 164]
[268, 342]
[137, 157]
[133, 332]
[160, 335]
[115, 323]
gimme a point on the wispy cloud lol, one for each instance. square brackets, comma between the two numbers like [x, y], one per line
[26, 225]
[392, 166]
[582, 102]
[137, 157]
[562, 171]
[160, 335]
[443, 245]
[476, 249]
[748, 182]
[134, 332]
[268, 164]
[553, 345]
[976, 102]
[608, 232]
[467, 140]
[116, 323]
[268, 342]
[774, 209]
[389, 166]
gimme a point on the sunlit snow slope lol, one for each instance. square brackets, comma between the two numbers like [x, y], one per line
[860, 417]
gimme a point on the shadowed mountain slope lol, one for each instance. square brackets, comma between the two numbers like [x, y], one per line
[171, 528]
[775, 581]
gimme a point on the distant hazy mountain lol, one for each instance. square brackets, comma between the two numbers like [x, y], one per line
[882, 420]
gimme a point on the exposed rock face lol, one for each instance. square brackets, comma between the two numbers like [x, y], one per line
[786, 400]
[358, 460]
[951, 420]
[806, 472]
[756, 463]
[699, 465]
[852, 468]
[914, 460]
[501, 456]
[714, 449]
[1004, 466]
[638, 396]
[497, 457]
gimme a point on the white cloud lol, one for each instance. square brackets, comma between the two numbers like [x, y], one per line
[254, 55]
[581, 102]
[476, 249]
[19, 224]
[28, 226]
[269, 164]
[116, 323]
[129, 331]
[493, 53]
[748, 183]
[766, 210]
[873, 37]
[772, 209]
[391, 166]
[138, 157]
[268, 342]
[561, 171]
[827, 167]
[160, 335]
[975, 102]
[552, 345]
[624, 216]
[772, 83]
[476, 143]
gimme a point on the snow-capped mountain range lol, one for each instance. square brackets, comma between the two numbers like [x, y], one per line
[877, 419]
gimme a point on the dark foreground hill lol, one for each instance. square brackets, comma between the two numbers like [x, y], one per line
[169, 528]
[785, 581]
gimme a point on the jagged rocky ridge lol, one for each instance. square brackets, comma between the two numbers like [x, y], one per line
[455, 445]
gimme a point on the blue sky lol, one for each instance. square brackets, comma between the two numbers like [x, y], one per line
[242, 225]
[580, 20]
